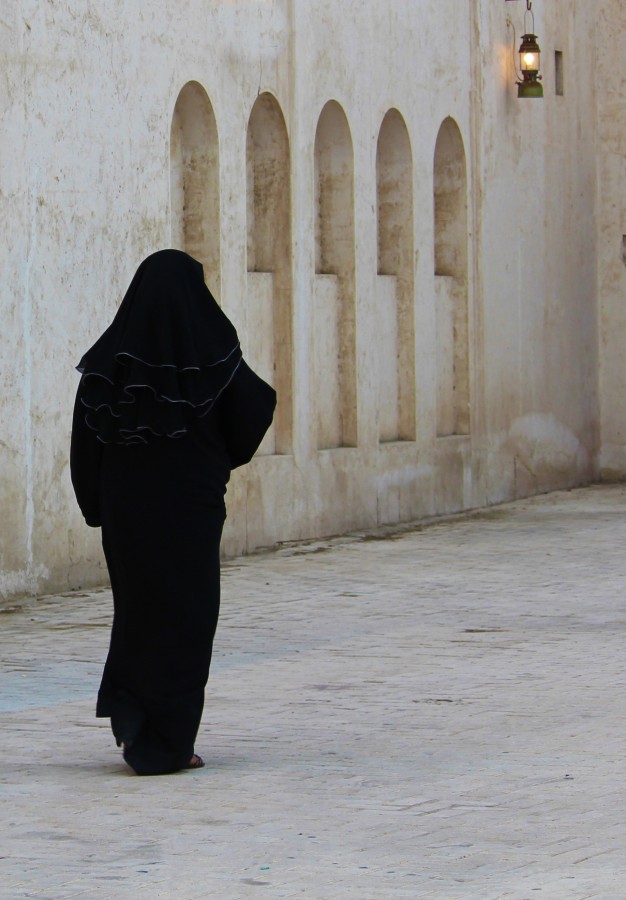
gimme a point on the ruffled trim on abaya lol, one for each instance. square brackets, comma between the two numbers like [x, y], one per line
[137, 400]
[165, 358]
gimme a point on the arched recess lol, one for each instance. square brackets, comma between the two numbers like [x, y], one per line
[396, 281]
[334, 315]
[269, 346]
[194, 181]
[451, 281]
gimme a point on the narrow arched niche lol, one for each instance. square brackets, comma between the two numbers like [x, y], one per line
[194, 181]
[396, 282]
[451, 281]
[269, 261]
[334, 294]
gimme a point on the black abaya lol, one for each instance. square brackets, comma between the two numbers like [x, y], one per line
[162, 508]
[160, 501]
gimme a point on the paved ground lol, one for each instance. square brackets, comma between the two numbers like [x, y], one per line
[437, 714]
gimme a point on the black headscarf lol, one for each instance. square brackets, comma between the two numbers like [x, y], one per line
[164, 360]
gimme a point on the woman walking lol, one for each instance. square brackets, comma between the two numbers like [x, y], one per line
[166, 407]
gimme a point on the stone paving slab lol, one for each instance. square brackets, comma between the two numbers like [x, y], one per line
[434, 713]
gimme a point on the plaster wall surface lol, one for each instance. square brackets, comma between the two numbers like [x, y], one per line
[611, 256]
[90, 183]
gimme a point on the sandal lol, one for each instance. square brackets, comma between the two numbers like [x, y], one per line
[196, 762]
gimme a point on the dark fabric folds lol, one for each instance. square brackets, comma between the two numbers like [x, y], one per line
[245, 413]
[164, 360]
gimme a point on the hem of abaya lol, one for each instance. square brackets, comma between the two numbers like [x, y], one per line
[131, 730]
[155, 764]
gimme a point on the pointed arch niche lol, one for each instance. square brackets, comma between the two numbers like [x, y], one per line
[396, 282]
[451, 281]
[194, 181]
[269, 314]
[334, 329]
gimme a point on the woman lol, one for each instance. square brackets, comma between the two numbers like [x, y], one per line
[165, 408]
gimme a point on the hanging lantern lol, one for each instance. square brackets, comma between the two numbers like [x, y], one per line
[529, 57]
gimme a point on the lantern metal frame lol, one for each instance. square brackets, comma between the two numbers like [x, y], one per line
[529, 74]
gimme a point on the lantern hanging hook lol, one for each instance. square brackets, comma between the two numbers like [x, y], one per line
[529, 9]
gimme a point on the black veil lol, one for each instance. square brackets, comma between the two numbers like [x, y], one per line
[164, 360]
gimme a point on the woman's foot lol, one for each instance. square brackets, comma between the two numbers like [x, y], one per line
[196, 762]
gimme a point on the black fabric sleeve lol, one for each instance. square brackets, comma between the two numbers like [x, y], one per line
[85, 457]
[246, 409]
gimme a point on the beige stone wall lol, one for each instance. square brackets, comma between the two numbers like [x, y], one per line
[407, 249]
[611, 257]
[535, 341]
